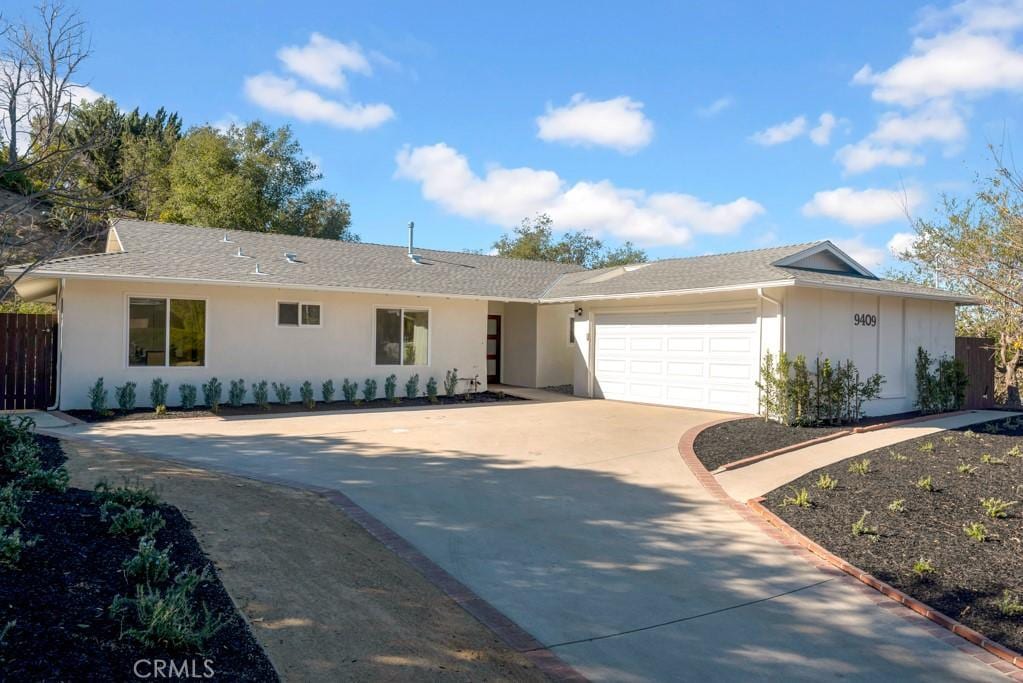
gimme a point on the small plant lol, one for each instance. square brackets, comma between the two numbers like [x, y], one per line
[970, 434]
[21, 459]
[976, 531]
[305, 392]
[350, 390]
[149, 565]
[188, 396]
[431, 390]
[391, 388]
[282, 392]
[1015, 452]
[236, 393]
[260, 395]
[166, 616]
[826, 482]
[131, 521]
[125, 395]
[861, 528]
[996, 508]
[926, 447]
[948, 439]
[212, 393]
[126, 495]
[55, 479]
[898, 457]
[990, 428]
[369, 389]
[6, 630]
[451, 382]
[98, 398]
[327, 391]
[898, 506]
[412, 386]
[860, 467]
[989, 459]
[923, 568]
[12, 498]
[966, 468]
[800, 498]
[12, 545]
[158, 395]
[925, 483]
[1010, 604]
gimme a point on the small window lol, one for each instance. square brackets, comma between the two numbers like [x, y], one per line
[295, 314]
[166, 332]
[402, 337]
[571, 330]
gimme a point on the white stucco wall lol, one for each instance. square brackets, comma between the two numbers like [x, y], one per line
[821, 322]
[555, 354]
[243, 340]
[519, 330]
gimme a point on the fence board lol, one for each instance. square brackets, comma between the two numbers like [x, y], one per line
[977, 355]
[28, 351]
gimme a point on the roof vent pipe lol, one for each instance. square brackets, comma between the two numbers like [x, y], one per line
[291, 257]
[411, 243]
[226, 239]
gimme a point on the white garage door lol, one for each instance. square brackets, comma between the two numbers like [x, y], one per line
[695, 359]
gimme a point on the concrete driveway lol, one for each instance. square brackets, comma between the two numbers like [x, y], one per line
[580, 522]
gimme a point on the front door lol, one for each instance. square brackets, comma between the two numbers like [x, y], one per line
[493, 349]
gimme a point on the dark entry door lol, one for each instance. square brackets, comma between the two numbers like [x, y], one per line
[493, 349]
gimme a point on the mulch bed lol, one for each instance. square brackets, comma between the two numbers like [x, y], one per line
[294, 407]
[969, 577]
[61, 591]
[734, 440]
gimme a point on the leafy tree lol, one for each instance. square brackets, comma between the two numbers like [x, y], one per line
[147, 144]
[534, 241]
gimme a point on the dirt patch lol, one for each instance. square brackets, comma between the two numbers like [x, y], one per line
[60, 592]
[279, 409]
[734, 440]
[969, 577]
[326, 600]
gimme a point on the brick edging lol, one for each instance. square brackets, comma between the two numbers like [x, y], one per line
[939, 618]
[509, 632]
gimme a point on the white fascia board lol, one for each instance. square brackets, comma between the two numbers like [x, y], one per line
[949, 296]
[670, 292]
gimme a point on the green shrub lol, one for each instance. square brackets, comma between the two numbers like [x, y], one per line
[942, 388]
[1010, 604]
[1015, 452]
[391, 388]
[369, 389]
[412, 386]
[989, 459]
[923, 567]
[158, 394]
[12, 500]
[126, 495]
[861, 528]
[283, 392]
[125, 395]
[860, 467]
[260, 395]
[431, 390]
[897, 505]
[832, 394]
[131, 521]
[167, 617]
[21, 459]
[898, 457]
[350, 390]
[55, 479]
[800, 498]
[12, 545]
[451, 382]
[98, 398]
[976, 531]
[212, 394]
[327, 390]
[305, 392]
[149, 565]
[966, 468]
[926, 447]
[188, 396]
[925, 483]
[16, 429]
[236, 393]
[996, 508]
[826, 482]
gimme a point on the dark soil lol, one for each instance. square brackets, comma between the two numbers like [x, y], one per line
[60, 593]
[969, 577]
[737, 439]
[294, 407]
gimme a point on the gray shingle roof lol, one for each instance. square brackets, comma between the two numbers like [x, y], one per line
[187, 253]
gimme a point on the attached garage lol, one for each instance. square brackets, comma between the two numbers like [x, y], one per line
[691, 359]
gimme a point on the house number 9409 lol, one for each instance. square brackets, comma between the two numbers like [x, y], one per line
[865, 319]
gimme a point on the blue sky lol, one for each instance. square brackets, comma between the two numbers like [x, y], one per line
[686, 127]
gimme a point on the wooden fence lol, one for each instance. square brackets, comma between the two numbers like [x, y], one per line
[977, 354]
[28, 352]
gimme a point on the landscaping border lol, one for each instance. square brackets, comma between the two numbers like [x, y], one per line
[510, 633]
[943, 620]
[940, 630]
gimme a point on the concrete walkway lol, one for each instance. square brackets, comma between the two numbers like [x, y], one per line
[579, 521]
[43, 419]
[759, 478]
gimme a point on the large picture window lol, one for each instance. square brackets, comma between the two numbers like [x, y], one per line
[166, 332]
[402, 336]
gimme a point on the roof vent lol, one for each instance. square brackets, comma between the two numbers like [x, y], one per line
[291, 257]
[257, 271]
[241, 255]
[411, 254]
[226, 239]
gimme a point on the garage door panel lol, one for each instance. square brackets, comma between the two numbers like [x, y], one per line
[649, 392]
[685, 344]
[646, 344]
[610, 343]
[686, 396]
[646, 367]
[729, 371]
[685, 369]
[719, 396]
[730, 344]
[611, 365]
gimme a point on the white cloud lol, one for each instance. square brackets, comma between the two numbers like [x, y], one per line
[783, 132]
[284, 96]
[865, 155]
[901, 242]
[863, 207]
[865, 254]
[324, 61]
[618, 123]
[506, 195]
[936, 121]
[821, 135]
[715, 107]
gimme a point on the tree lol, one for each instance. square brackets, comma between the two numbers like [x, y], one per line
[534, 241]
[976, 247]
[147, 144]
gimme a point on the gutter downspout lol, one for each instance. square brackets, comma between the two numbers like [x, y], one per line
[60, 343]
[781, 329]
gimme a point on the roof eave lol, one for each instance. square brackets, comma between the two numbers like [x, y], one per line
[959, 299]
[668, 292]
